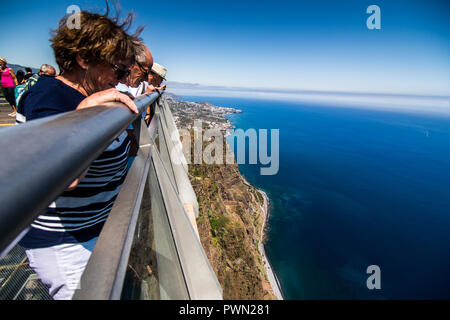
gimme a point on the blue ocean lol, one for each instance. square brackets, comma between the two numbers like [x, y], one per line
[355, 187]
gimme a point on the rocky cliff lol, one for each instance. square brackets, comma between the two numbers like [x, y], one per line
[231, 216]
[230, 224]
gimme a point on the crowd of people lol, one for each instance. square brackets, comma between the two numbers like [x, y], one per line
[144, 76]
[98, 62]
[15, 84]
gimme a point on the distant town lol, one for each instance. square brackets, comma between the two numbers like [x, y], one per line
[186, 112]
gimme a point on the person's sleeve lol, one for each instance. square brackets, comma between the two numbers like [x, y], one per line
[40, 106]
[122, 88]
[45, 110]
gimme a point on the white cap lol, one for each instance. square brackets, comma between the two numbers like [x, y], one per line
[159, 70]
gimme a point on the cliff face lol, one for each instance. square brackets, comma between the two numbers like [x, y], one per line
[231, 212]
[231, 216]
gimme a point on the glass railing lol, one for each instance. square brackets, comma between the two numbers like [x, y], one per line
[149, 246]
[154, 270]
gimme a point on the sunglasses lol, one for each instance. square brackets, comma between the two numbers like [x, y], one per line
[120, 73]
[146, 71]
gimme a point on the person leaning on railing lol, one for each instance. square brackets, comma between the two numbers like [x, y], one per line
[145, 76]
[135, 84]
[92, 60]
[156, 76]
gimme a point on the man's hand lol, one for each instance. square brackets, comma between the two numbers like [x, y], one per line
[110, 95]
[151, 88]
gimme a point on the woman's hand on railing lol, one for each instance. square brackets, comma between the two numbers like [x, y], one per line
[110, 95]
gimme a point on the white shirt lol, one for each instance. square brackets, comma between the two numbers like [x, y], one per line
[135, 92]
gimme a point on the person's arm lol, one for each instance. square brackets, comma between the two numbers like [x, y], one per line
[74, 184]
[110, 95]
[150, 88]
[11, 71]
[99, 98]
[147, 116]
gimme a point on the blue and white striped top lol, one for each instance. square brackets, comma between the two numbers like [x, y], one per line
[79, 214]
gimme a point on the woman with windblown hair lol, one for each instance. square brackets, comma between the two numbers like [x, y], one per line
[92, 60]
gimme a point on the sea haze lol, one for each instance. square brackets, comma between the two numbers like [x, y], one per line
[356, 187]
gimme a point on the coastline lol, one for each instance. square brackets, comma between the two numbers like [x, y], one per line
[274, 283]
[272, 278]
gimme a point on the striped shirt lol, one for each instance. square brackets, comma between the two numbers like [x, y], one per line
[79, 214]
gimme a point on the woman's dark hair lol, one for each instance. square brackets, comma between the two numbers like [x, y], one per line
[98, 40]
[20, 75]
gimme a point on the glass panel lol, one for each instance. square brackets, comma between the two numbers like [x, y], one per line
[154, 270]
[141, 279]
[171, 280]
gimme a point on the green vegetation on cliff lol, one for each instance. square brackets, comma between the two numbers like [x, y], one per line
[231, 216]
[231, 212]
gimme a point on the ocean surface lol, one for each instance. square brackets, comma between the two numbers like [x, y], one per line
[355, 188]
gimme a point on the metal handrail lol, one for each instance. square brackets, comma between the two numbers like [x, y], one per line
[49, 161]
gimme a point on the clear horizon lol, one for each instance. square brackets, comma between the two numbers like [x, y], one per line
[425, 105]
[176, 85]
[312, 46]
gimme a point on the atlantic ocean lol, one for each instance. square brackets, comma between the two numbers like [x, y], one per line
[356, 187]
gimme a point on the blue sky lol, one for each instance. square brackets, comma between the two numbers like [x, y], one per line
[309, 45]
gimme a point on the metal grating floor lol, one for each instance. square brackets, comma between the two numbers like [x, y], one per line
[17, 279]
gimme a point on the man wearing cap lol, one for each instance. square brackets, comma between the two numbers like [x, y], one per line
[156, 77]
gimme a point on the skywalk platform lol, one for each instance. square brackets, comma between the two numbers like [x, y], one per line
[5, 109]
[149, 247]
